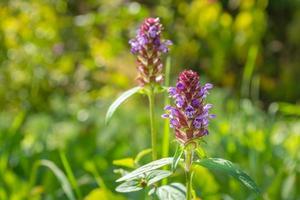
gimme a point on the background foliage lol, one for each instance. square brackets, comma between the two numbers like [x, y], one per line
[63, 62]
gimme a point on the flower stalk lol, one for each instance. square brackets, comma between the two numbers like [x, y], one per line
[189, 117]
[152, 123]
[148, 46]
[188, 173]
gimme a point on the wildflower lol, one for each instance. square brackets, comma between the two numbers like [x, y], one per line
[148, 46]
[190, 115]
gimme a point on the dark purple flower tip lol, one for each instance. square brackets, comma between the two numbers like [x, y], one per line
[180, 86]
[195, 103]
[190, 111]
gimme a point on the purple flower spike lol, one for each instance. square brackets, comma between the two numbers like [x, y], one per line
[190, 115]
[148, 46]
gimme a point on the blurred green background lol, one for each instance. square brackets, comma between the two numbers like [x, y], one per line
[63, 62]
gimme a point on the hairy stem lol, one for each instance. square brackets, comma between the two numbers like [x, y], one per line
[188, 173]
[152, 126]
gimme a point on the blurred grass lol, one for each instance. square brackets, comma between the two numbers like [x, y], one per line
[63, 62]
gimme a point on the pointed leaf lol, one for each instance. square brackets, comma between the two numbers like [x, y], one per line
[119, 101]
[146, 168]
[228, 167]
[129, 186]
[174, 191]
[200, 152]
[141, 154]
[66, 186]
[125, 162]
[176, 157]
[156, 175]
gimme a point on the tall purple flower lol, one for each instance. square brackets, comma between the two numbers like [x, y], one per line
[148, 46]
[190, 115]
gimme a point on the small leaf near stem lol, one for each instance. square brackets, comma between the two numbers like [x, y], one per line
[177, 156]
[146, 168]
[113, 107]
[65, 184]
[140, 155]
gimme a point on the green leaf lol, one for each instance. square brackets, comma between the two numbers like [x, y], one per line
[141, 154]
[103, 194]
[228, 167]
[176, 157]
[129, 186]
[125, 162]
[174, 191]
[146, 168]
[156, 175]
[113, 107]
[200, 152]
[60, 176]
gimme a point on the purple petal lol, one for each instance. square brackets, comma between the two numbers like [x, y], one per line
[168, 107]
[195, 103]
[142, 39]
[197, 123]
[212, 116]
[208, 86]
[165, 115]
[172, 91]
[153, 31]
[205, 132]
[190, 111]
[180, 86]
[207, 107]
[179, 101]
[174, 123]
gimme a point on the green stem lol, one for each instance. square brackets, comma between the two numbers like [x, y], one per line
[70, 174]
[33, 176]
[188, 173]
[166, 133]
[152, 126]
[248, 71]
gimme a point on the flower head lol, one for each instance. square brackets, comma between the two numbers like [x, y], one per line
[148, 46]
[190, 115]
